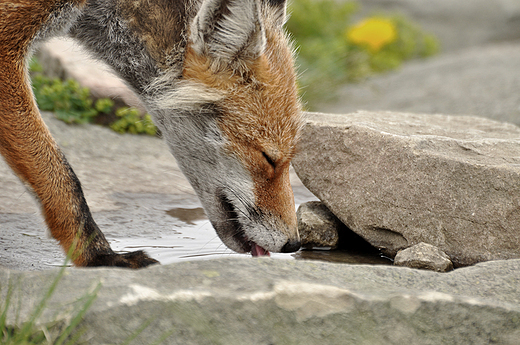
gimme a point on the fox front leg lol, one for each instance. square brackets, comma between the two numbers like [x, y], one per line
[30, 150]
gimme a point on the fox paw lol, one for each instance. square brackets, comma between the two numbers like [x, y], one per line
[136, 259]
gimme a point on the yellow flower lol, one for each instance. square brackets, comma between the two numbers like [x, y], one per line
[374, 32]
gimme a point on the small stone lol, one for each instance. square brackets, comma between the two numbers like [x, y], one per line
[424, 256]
[318, 227]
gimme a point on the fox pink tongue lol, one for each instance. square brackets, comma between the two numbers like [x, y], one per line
[256, 250]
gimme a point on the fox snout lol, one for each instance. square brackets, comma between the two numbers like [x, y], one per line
[261, 224]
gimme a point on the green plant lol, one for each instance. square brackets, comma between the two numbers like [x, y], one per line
[67, 99]
[72, 103]
[131, 121]
[332, 51]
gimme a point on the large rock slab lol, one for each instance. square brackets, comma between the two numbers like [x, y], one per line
[266, 301]
[400, 179]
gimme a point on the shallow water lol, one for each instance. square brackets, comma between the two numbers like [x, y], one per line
[195, 239]
[170, 228]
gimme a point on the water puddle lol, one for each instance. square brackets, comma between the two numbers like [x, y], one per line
[193, 238]
[169, 228]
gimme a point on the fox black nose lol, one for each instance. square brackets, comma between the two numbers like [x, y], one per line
[291, 246]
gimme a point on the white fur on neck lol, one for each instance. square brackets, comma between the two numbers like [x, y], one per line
[180, 95]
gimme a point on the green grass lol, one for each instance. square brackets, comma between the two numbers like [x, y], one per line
[29, 333]
[54, 333]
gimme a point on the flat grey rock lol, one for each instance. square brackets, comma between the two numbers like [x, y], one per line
[400, 179]
[268, 301]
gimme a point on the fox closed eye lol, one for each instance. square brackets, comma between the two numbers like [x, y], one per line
[269, 160]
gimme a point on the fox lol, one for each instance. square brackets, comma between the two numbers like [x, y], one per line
[218, 78]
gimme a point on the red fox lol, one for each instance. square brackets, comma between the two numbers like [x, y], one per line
[218, 78]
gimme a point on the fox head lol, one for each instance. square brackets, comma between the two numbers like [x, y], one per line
[233, 120]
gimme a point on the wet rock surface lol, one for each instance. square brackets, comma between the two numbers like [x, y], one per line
[225, 301]
[424, 256]
[400, 179]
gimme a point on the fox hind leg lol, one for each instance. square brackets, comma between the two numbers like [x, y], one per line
[30, 150]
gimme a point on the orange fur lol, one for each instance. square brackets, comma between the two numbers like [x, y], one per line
[25, 141]
[248, 82]
[28, 147]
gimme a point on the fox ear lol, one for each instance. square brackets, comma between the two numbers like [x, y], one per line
[279, 10]
[229, 30]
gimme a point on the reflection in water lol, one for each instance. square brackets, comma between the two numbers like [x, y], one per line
[187, 215]
[192, 237]
[344, 256]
